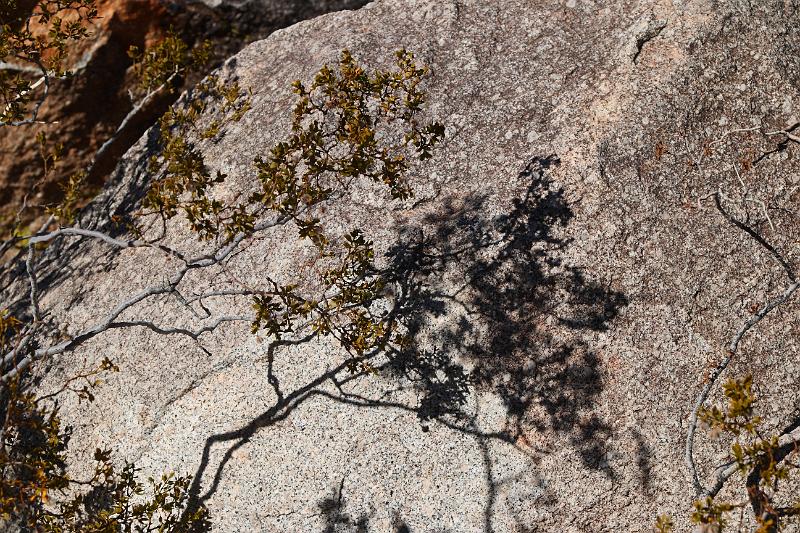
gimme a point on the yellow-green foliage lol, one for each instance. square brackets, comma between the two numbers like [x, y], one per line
[348, 125]
[762, 460]
[766, 464]
[37, 39]
[664, 524]
[74, 191]
[165, 61]
[186, 181]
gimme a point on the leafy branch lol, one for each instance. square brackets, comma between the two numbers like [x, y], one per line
[349, 127]
[36, 42]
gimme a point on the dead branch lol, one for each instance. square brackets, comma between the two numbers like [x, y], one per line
[787, 132]
[19, 362]
[733, 347]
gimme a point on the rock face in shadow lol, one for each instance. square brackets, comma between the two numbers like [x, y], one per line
[85, 110]
[565, 277]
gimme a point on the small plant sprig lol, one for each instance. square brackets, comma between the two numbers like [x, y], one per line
[765, 462]
[738, 416]
[74, 192]
[163, 63]
[664, 524]
[186, 182]
[35, 41]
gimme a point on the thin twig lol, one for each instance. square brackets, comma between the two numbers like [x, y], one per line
[132, 114]
[733, 347]
[194, 334]
[730, 132]
[703, 396]
[787, 133]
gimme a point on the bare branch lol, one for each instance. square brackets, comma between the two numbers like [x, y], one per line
[758, 238]
[787, 132]
[703, 396]
[34, 286]
[44, 79]
[110, 320]
[79, 232]
[129, 118]
[181, 331]
[731, 132]
[733, 347]
[93, 234]
[212, 294]
[4, 65]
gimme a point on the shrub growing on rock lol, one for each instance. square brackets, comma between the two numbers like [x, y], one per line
[349, 126]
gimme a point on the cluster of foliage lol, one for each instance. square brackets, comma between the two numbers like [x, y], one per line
[766, 462]
[36, 41]
[186, 183]
[165, 62]
[348, 126]
[37, 491]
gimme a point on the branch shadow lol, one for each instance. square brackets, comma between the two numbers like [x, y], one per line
[643, 454]
[337, 519]
[520, 310]
[488, 303]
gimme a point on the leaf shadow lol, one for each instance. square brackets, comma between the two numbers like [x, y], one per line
[520, 312]
[515, 325]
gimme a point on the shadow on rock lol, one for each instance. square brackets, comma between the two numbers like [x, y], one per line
[333, 510]
[492, 294]
[487, 303]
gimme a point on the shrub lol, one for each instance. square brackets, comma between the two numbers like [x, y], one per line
[349, 126]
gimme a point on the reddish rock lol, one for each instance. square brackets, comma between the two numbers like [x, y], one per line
[83, 111]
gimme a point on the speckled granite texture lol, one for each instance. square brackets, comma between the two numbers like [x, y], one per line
[589, 297]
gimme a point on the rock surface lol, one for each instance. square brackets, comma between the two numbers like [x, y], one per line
[576, 265]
